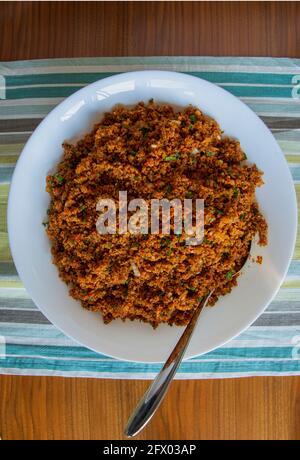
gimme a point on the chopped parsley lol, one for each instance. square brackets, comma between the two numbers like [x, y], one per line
[59, 178]
[229, 275]
[189, 194]
[164, 242]
[218, 212]
[235, 192]
[193, 118]
[174, 157]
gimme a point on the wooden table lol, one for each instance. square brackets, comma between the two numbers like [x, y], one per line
[57, 408]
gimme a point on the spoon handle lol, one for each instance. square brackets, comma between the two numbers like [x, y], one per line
[157, 390]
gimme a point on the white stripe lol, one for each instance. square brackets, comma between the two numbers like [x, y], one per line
[296, 327]
[63, 342]
[19, 309]
[15, 132]
[259, 85]
[277, 312]
[59, 358]
[259, 343]
[142, 376]
[14, 293]
[40, 327]
[24, 116]
[291, 294]
[284, 114]
[51, 85]
[77, 68]
[270, 101]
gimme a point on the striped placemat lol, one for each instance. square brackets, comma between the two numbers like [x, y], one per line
[29, 344]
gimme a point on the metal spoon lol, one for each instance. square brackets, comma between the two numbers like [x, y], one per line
[151, 400]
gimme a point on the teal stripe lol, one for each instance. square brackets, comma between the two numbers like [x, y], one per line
[85, 353]
[294, 268]
[64, 91]
[292, 365]
[6, 173]
[259, 91]
[54, 351]
[285, 109]
[89, 77]
[295, 171]
[40, 331]
[41, 92]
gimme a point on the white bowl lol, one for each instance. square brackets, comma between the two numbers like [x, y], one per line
[28, 202]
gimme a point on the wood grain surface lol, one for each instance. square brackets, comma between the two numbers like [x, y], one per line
[57, 408]
[60, 408]
[61, 29]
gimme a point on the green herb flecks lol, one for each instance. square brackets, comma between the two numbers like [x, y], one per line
[164, 242]
[218, 212]
[59, 179]
[189, 194]
[174, 157]
[235, 192]
[229, 275]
